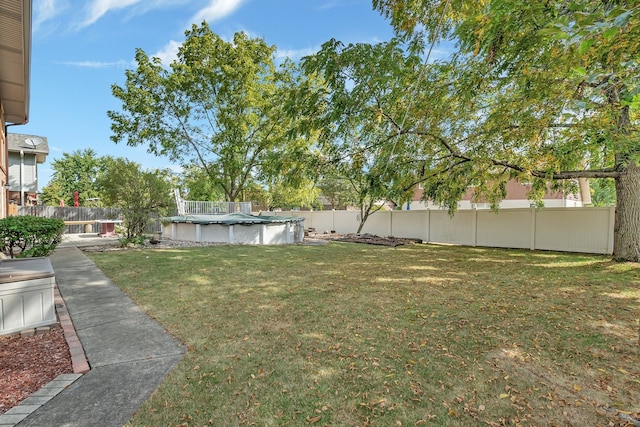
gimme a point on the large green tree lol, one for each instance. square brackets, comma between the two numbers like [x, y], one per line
[280, 195]
[336, 192]
[197, 185]
[364, 85]
[539, 91]
[139, 194]
[220, 106]
[76, 171]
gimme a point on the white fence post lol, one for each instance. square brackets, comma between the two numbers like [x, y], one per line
[474, 227]
[532, 244]
[333, 219]
[612, 223]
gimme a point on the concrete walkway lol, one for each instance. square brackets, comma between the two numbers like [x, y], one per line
[128, 352]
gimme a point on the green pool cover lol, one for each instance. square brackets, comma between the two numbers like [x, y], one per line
[232, 218]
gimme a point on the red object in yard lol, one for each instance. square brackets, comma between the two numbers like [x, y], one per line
[108, 227]
[75, 199]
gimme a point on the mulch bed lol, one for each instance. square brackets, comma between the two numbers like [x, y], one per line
[29, 362]
[366, 238]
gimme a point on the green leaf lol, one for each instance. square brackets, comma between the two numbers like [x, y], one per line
[551, 31]
[585, 46]
[581, 71]
[610, 33]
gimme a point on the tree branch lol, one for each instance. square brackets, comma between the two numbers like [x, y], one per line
[595, 173]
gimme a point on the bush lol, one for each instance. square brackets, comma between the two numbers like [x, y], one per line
[137, 240]
[29, 236]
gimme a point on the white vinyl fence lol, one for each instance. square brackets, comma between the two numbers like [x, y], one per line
[588, 230]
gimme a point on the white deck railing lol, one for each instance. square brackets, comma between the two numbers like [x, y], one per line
[192, 207]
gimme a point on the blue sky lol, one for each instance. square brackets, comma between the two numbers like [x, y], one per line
[80, 48]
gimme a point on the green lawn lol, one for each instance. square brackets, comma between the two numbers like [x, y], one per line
[355, 335]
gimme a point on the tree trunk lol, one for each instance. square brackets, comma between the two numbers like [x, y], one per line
[364, 214]
[365, 211]
[626, 240]
[585, 191]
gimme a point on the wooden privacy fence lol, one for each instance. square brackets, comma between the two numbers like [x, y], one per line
[80, 219]
[588, 230]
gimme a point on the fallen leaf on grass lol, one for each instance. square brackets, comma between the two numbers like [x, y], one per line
[313, 420]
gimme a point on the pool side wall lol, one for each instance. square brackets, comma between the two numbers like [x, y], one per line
[243, 234]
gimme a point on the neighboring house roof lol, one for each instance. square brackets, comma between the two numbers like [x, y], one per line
[32, 144]
[519, 191]
[15, 59]
[515, 191]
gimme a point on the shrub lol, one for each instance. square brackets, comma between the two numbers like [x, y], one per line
[138, 193]
[29, 236]
[137, 240]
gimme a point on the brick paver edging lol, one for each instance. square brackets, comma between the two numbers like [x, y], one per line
[29, 405]
[78, 358]
[80, 366]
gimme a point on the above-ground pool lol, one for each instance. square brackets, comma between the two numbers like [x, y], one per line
[237, 228]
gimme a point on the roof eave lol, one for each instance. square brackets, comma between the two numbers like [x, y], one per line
[17, 111]
[27, 24]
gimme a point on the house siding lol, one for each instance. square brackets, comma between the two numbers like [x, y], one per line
[517, 197]
[4, 171]
[22, 173]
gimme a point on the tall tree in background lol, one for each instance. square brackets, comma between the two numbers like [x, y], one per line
[280, 195]
[138, 193]
[198, 185]
[539, 91]
[336, 191]
[76, 171]
[603, 192]
[220, 105]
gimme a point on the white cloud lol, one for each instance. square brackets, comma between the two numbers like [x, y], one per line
[296, 53]
[168, 53]
[44, 10]
[217, 9]
[328, 5]
[146, 6]
[334, 4]
[98, 8]
[98, 64]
